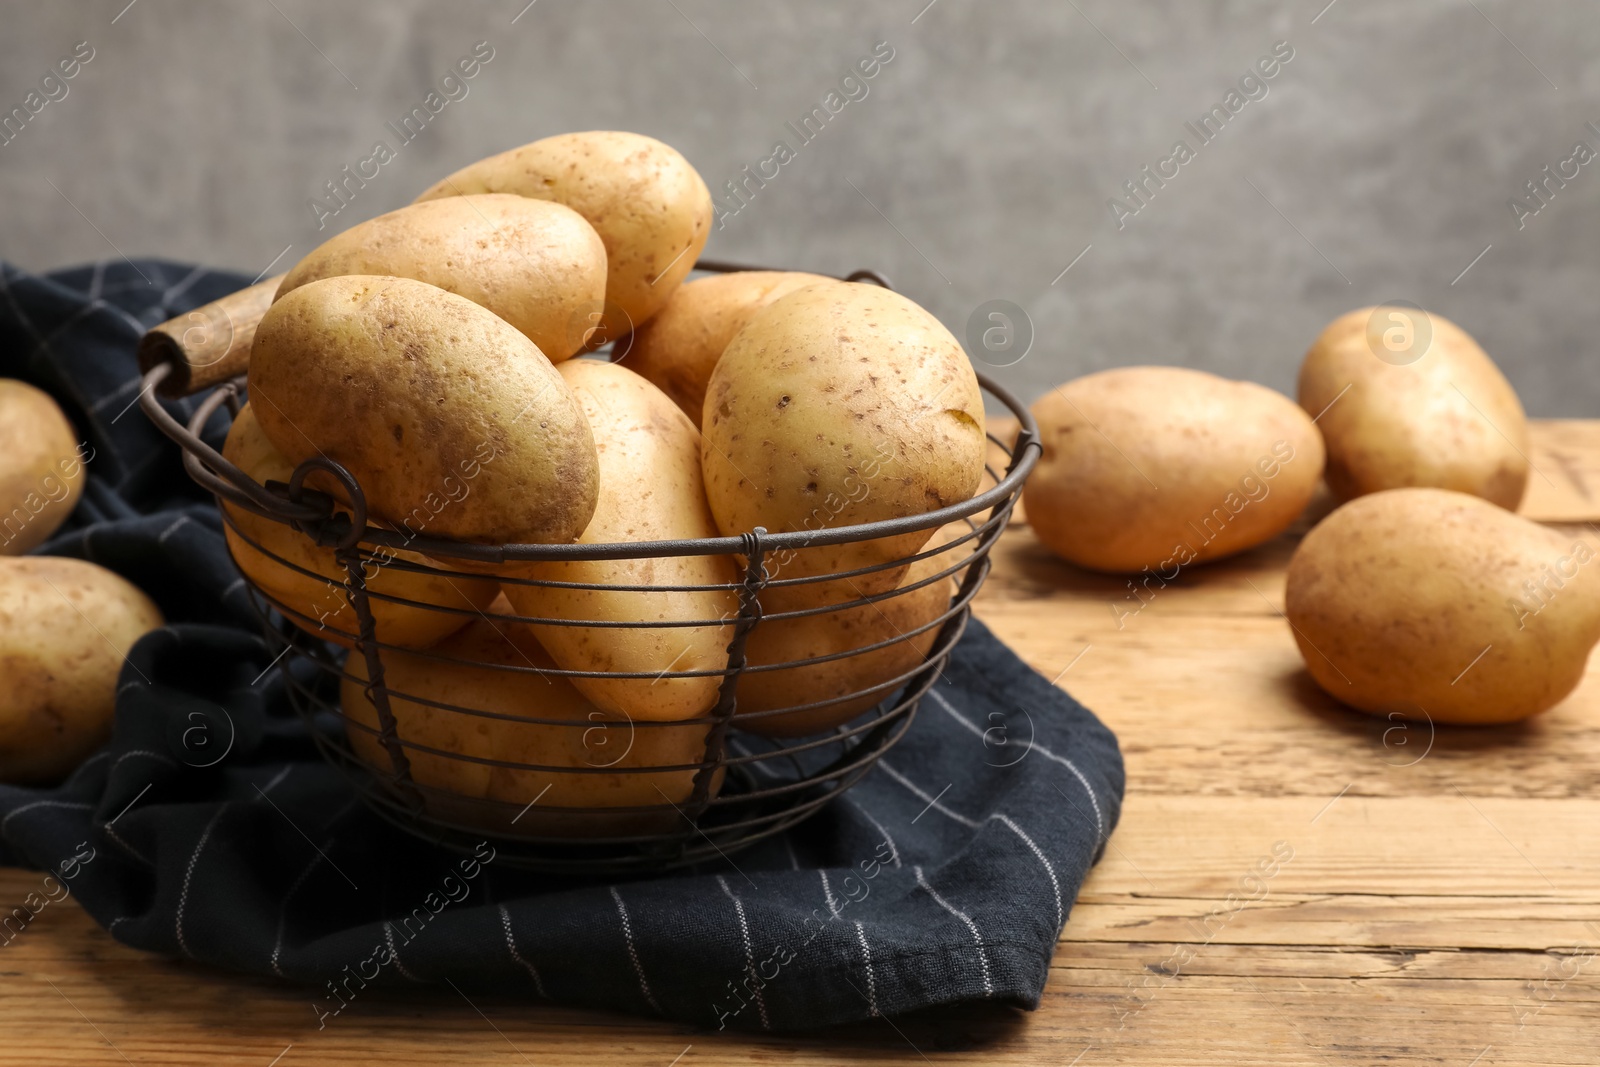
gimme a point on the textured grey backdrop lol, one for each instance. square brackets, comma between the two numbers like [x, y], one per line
[1379, 164]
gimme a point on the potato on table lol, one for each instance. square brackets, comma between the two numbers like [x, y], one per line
[453, 423]
[1155, 468]
[65, 629]
[650, 490]
[1408, 398]
[41, 467]
[1441, 606]
[646, 202]
[316, 601]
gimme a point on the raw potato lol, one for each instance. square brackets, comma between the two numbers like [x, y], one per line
[649, 206]
[317, 604]
[452, 422]
[1438, 605]
[838, 404]
[1447, 419]
[41, 469]
[679, 347]
[650, 490]
[810, 636]
[536, 264]
[65, 627]
[469, 671]
[1154, 468]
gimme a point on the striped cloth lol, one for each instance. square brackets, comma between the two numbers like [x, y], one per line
[944, 877]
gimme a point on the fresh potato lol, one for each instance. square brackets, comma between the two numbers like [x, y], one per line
[809, 636]
[839, 404]
[1407, 398]
[536, 264]
[41, 467]
[679, 347]
[316, 601]
[65, 628]
[453, 423]
[647, 203]
[1154, 468]
[650, 490]
[1438, 605]
[496, 666]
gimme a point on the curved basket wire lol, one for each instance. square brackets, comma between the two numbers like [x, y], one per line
[718, 781]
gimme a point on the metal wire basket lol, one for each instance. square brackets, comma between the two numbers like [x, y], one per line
[681, 791]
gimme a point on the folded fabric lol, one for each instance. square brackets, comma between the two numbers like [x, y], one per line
[944, 876]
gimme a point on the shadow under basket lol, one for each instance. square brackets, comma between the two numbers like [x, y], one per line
[456, 745]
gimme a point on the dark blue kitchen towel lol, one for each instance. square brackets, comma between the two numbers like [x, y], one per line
[945, 876]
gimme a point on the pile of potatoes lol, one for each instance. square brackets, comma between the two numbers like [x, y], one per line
[1423, 595]
[437, 353]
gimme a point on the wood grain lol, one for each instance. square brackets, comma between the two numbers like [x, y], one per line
[1442, 904]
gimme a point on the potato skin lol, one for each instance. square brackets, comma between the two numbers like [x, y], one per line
[810, 636]
[649, 206]
[453, 423]
[462, 672]
[41, 473]
[838, 404]
[1448, 420]
[65, 627]
[535, 263]
[1159, 467]
[678, 349]
[1394, 596]
[318, 605]
[650, 489]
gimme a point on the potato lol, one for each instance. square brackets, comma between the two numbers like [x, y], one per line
[497, 667]
[1434, 604]
[65, 628]
[1154, 468]
[650, 490]
[41, 467]
[453, 423]
[810, 636]
[316, 602]
[1425, 407]
[679, 347]
[647, 203]
[839, 404]
[536, 264]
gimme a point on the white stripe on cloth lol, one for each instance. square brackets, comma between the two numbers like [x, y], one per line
[983, 952]
[511, 943]
[41, 804]
[749, 950]
[188, 878]
[827, 892]
[147, 753]
[872, 984]
[394, 951]
[1094, 802]
[633, 951]
[968, 821]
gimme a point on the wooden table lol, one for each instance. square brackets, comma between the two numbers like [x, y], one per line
[1442, 904]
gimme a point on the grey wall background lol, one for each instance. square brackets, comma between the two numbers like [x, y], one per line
[1382, 158]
